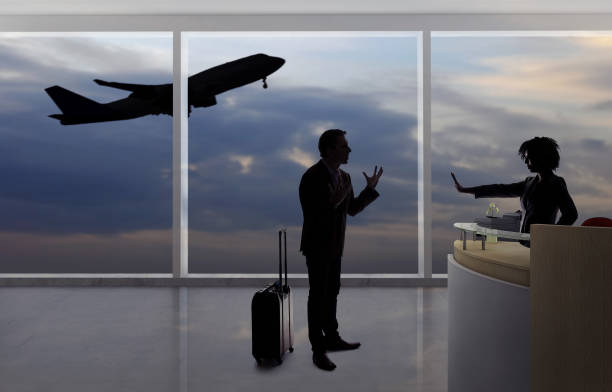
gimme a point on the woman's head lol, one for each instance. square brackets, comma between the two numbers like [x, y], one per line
[540, 154]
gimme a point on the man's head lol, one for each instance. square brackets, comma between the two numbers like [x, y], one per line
[540, 154]
[333, 146]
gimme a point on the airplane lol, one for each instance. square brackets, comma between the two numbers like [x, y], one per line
[148, 99]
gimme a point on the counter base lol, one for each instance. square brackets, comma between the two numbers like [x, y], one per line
[488, 333]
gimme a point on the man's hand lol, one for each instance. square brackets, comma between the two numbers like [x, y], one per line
[343, 188]
[372, 181]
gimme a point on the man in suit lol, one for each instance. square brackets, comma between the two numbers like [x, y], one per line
[326, 196]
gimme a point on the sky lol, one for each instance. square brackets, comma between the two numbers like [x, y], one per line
[248, 153]
[98, 197]
[85, 198]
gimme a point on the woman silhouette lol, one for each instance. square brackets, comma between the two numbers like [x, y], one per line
[542, 195]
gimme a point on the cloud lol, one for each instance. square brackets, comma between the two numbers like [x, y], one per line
[281, 133]
[399, 181]
[478, 163]
[506, 91]
[144, 251]
[230, 101]
[595, 42]
[370, 248]
[477, 133]
[595, 144]
[319, 128]
[553, 75]
[245, 162]
[11, 74]
[90, 54]
[60, 180]
[302, 158]
[602, 105]
[582, 178]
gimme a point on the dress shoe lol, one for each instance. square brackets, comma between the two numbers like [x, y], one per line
[341, 345]
[322, 361]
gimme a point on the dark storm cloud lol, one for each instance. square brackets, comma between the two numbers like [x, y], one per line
[35, 66]
[490, 118]
[267, 124]
[596, 145]
[471, 140]
[93, 178]
[82, 179]
[113, 177]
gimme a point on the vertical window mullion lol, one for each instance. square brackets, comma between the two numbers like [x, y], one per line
[424, 134]
[179, 158]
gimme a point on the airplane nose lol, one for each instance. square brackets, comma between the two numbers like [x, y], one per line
[278, 62]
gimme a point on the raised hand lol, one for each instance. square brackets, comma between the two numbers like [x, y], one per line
[339, 193]
[459, 187]
[372, 181]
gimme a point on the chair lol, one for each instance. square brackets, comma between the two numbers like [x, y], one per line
[598, 221]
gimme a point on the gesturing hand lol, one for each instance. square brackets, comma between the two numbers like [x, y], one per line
[372, 181]
[457, 185]
[341, 190]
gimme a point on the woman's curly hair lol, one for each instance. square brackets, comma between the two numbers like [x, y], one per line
[543, 152]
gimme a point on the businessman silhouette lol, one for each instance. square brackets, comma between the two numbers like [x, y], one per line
[326, 196]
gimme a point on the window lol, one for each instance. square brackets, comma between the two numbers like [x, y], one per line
[125, 225]
[491, 92]
[248, 152]
[89, 198]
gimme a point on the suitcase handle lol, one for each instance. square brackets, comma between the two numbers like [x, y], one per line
[286, 287]
[282, 235]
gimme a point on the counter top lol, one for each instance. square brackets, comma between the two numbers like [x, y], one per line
[507, 261]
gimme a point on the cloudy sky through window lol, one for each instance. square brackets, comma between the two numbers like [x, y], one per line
[98, 197]
[491, 93]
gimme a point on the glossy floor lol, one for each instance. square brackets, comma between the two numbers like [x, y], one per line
[199, 339]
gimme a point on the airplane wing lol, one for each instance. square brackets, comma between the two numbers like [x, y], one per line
[145, 91]
[124, 86]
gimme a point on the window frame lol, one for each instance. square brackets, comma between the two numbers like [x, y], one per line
[423, 24]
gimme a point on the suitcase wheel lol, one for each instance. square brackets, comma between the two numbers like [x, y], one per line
[290, 349]
[280, 360]
[258, 361]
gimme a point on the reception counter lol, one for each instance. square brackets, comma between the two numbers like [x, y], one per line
[488, 304]
[536, 319]
[507, 261]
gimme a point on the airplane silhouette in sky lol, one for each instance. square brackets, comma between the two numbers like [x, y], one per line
[156, 99]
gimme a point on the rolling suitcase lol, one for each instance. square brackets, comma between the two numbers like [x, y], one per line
[272, 314]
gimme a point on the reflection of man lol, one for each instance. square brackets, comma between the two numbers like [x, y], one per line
[326, 195]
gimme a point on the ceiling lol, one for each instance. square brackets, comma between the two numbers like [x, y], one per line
[190, 7]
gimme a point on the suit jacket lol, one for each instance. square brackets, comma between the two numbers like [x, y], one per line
[324, 225]
[540, 201]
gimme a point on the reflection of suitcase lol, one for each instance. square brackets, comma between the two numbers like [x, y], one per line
[272, 315]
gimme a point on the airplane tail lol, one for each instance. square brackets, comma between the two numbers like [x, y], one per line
[72, 103]
[76, 109]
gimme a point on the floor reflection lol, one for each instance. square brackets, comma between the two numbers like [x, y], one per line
[194, 339]
[183, 338]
